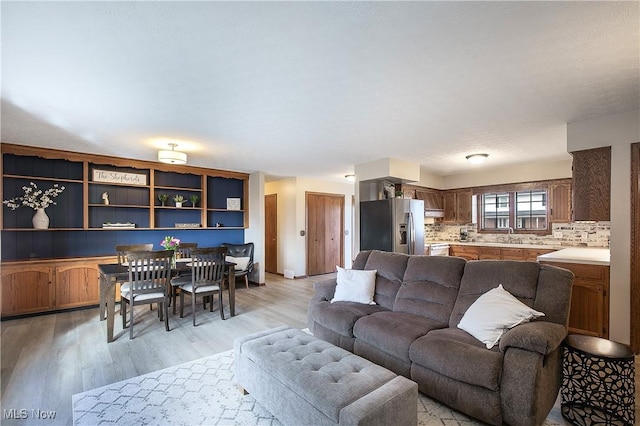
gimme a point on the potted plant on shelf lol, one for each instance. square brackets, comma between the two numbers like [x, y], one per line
[163, 198]
[37, 200]
[194, 200]
[179, 199]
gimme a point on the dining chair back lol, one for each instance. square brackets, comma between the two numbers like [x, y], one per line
[242, 256]
[184, 250]
[149, 274]
[207, 276]
[122, 250]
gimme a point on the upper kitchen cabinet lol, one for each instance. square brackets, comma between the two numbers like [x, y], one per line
[457, 206]
[592, 184]
[560, 202]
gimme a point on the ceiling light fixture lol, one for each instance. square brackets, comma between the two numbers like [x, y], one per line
[477, 158]
[350, 178]
[173, 156]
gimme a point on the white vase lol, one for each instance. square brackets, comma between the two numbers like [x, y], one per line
[40, 219]
[178, 204]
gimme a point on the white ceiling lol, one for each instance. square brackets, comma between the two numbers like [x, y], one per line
[313, 88]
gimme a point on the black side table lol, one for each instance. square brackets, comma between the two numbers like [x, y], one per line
[598, 382]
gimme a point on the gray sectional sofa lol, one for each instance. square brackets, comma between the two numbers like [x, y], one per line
[412, 330]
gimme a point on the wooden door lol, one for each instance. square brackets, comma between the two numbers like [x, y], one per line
[325, 230]
[271, 233]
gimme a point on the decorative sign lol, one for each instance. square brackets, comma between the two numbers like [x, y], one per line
[233, 203]
[109, 176]
[187, 225]
[127, 225]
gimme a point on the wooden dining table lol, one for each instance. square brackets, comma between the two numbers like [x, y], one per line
[113, 273]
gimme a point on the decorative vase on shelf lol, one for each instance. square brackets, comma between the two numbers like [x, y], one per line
[40, 219]
[178, 204]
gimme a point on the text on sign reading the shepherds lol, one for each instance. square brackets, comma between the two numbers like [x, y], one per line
[119, 177]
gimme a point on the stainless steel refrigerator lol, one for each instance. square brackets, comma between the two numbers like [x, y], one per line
[396, 224]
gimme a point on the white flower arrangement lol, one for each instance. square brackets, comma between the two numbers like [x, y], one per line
[34, 197]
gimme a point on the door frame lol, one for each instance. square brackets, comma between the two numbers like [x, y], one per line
[634, 250]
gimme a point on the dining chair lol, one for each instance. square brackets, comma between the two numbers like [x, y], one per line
[242, 256]
[207, 276]
[182, 252]
[149, 274]
[121, 251]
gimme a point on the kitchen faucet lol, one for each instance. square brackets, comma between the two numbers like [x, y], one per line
[509, 233]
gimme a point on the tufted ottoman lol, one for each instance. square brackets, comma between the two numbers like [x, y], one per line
[304, 380]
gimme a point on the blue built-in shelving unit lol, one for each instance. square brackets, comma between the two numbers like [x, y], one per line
[76, 221]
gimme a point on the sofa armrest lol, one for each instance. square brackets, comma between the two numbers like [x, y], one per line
[537, 336]
[324, 290]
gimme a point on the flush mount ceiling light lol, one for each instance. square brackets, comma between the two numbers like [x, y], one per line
[350, 178]
[173, 156]
[477, 158]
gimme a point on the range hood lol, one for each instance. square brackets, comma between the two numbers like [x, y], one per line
[433, 213]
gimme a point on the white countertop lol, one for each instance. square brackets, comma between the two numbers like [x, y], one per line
[486, 244]
[589, 256]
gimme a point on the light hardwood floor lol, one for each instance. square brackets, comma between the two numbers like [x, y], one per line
[46, 359]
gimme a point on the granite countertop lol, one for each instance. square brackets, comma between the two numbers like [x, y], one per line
[589, 256]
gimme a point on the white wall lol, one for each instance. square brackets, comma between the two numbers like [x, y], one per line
[618, 131]
[511, 174]
[292, 247]
[255, 232]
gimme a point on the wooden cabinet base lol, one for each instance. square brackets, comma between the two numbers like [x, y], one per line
[40, 286]
[589, 313]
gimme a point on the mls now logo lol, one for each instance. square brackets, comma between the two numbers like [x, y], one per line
[23, 413]
[14, 413]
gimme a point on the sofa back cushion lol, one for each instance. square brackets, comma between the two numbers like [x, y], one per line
[519, 278]
[390, 267]
[430, 287]
[361, 259]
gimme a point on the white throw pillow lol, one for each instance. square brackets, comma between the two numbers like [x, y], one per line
[493, 313]
[354, 285]
[241, 262]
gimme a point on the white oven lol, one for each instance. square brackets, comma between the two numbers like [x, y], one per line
[439, 249]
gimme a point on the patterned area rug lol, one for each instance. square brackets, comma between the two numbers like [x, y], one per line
[201, 392]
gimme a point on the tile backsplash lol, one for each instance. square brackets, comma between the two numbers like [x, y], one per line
[584, 234]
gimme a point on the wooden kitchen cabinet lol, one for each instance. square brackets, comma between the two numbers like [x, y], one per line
[508, 253]
[489, 253]
[532, 254]
[560, 202]
[592, 184]
[457, 206]
[467, 252]
[471, 252]
[26, 289]
[589, 313]
[37, 286]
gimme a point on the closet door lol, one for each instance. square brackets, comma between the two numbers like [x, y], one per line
[325, 230]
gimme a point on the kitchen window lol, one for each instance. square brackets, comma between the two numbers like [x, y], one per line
[524, 210]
